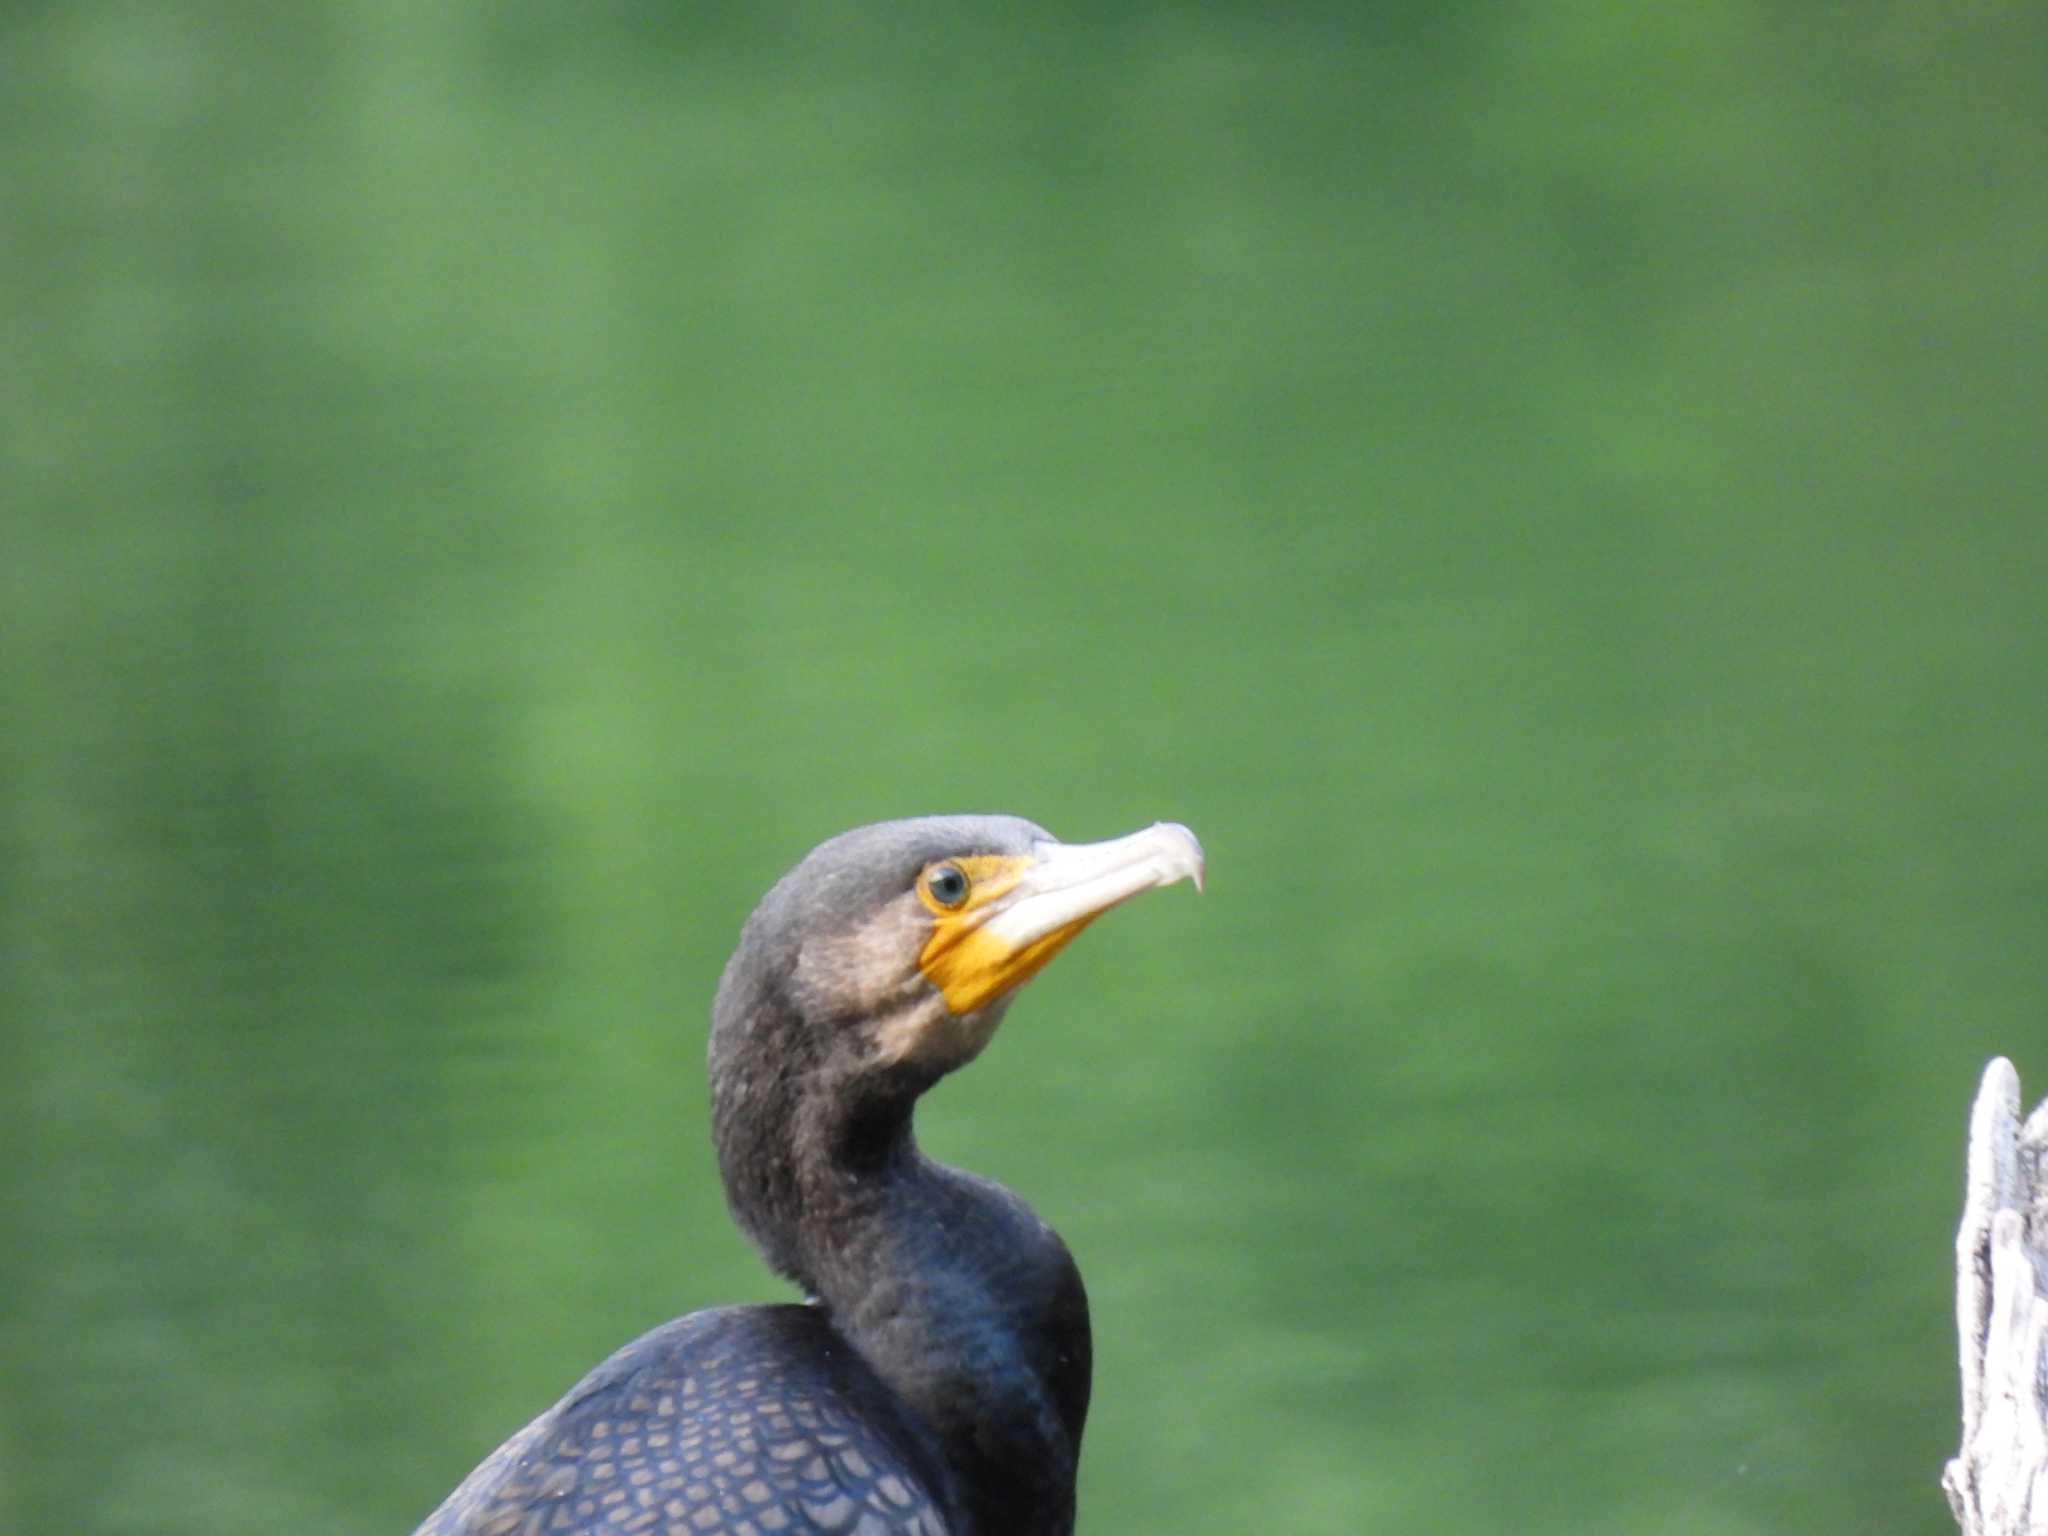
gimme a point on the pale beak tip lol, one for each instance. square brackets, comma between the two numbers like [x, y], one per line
[1197, 862]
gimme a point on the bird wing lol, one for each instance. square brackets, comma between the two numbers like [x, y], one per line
[745, 1421]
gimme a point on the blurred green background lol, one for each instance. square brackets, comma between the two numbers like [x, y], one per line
[1552, 493]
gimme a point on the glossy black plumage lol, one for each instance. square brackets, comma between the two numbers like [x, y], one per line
[937, 1381]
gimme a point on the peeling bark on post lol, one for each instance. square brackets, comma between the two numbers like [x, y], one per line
[1998, 1483]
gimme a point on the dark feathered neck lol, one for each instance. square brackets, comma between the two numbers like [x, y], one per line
[806, 1150]
[965, 1304]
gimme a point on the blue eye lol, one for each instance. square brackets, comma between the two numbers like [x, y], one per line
[947, 884]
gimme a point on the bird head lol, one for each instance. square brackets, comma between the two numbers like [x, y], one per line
[897, 947]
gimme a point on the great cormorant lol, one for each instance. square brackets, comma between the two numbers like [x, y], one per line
[937, 1378]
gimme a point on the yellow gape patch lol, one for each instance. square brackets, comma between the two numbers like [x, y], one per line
[970, 965]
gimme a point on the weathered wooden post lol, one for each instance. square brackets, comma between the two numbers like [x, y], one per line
[1998, 1482]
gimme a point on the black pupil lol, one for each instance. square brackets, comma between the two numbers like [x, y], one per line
[949, 885]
